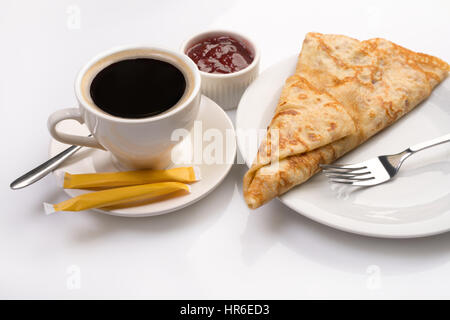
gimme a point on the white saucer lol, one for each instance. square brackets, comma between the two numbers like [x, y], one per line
[415, 204]
[211, 116]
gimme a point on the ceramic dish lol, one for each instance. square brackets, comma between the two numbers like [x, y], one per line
[210, 116]
[226, 89]
[414, 204]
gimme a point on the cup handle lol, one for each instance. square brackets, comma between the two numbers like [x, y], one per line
[74, 114]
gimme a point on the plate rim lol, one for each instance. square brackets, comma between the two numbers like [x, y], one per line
[179, 207]
[353, 226]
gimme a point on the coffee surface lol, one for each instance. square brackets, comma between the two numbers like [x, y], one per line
[137, 88]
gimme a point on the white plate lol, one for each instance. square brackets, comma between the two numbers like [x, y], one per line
[415, 204]
[211, 116]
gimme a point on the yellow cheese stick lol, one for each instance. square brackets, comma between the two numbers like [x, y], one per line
[116, 196]
[128, 178]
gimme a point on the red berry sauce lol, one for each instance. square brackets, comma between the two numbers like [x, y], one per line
[220, 54]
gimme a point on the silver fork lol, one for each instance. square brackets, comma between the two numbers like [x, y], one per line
[376, 170]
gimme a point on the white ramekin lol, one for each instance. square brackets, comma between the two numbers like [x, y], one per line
[226, 89]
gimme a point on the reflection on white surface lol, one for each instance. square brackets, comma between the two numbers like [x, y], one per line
[414, 195]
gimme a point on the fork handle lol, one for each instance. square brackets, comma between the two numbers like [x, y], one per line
[430, 143]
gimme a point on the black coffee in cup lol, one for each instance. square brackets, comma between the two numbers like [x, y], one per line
[137, 88]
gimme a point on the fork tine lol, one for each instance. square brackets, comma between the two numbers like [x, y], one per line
[347, 178]
[343, 167]
[345, 173]
[341, 181]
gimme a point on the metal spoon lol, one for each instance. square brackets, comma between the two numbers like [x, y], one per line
[44, 169]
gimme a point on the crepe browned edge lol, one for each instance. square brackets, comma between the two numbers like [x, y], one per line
[375, 80]
[305, 119]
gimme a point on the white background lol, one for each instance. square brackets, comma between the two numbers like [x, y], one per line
[216, 248]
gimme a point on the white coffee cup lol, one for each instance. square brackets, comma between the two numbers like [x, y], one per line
[135, 143]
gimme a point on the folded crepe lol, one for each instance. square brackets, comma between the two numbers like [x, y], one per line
[343, 92]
